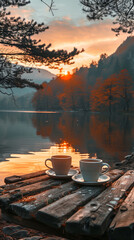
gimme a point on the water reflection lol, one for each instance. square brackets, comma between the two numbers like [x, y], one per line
[34, 161]
[73, 128]
[110, 137]
[77, 134]
[113, 134]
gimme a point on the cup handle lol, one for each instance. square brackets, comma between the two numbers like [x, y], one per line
[107, 165]
[49, 159]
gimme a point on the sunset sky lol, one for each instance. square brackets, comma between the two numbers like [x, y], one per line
[70, 28]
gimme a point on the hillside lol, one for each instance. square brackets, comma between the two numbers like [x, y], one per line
[73, 92]
[75, 87]
[37, 76]
[123, 58]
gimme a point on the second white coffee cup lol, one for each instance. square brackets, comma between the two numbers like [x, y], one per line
[91, 169]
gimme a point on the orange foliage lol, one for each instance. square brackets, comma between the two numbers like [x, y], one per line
[104, 92]
[68, 92]
[112, 90]
[74, 95]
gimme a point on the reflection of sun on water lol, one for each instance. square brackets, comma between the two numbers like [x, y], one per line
[20, 164]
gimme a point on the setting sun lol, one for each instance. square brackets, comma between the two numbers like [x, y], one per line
[66, 72]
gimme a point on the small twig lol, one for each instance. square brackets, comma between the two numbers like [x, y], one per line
[50, 6]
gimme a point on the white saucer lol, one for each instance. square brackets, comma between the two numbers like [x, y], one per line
[71, 172]
[79, 179]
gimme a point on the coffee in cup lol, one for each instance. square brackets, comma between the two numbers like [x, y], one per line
[60, 164]
[91, 169]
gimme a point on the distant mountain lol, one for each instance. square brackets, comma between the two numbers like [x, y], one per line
[124, 56]
[125, 46]
[38, 76]
[24, 96]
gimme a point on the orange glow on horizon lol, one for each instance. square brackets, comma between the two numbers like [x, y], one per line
[66, 73]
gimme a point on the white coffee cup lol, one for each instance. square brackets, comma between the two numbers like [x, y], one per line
[60, 164]
[91, 169]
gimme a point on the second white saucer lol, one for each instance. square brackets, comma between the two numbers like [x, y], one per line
[79, 179]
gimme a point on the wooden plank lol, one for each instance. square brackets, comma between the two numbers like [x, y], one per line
[122, 226]
[28, 223]
[39, 226]
[16, 178]
[11, 186]
[19, 193]
[95, 217]
[29, 206]
[26, 181]
[57, 213]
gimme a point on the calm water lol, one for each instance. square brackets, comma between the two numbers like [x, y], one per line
[28, 138]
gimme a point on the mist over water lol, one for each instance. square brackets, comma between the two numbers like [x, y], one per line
[28, 138]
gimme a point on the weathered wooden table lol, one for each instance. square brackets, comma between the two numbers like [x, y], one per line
[71, 210]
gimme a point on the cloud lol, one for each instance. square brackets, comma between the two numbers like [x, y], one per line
[95, 38]
[21, 12]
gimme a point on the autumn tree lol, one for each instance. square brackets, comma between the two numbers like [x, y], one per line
[70, 92]
[113, 90]
[104, 93]
[18, 36]
[122, 11]
[43, 98]
[75, 93]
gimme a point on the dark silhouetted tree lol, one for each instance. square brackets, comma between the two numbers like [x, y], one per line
[11, 76]
[19, 34]
[121, 10]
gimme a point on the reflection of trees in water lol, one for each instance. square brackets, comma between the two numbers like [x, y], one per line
[75, 130]
[47, 125]
[72, 128]
[108, 135]
[113, 133]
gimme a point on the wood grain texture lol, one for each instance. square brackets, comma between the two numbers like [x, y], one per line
[16, 178]
[122, 226]
[95, 217]
[40, 227]
[57, 213]
[27, 208]
[7, 187]
[28, 223]
[29, 190]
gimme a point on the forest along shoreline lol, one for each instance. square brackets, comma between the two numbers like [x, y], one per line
[10, 231]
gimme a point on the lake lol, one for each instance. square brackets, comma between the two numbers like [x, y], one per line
[28, 138]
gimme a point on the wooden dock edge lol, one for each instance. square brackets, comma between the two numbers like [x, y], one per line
[43, 228]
